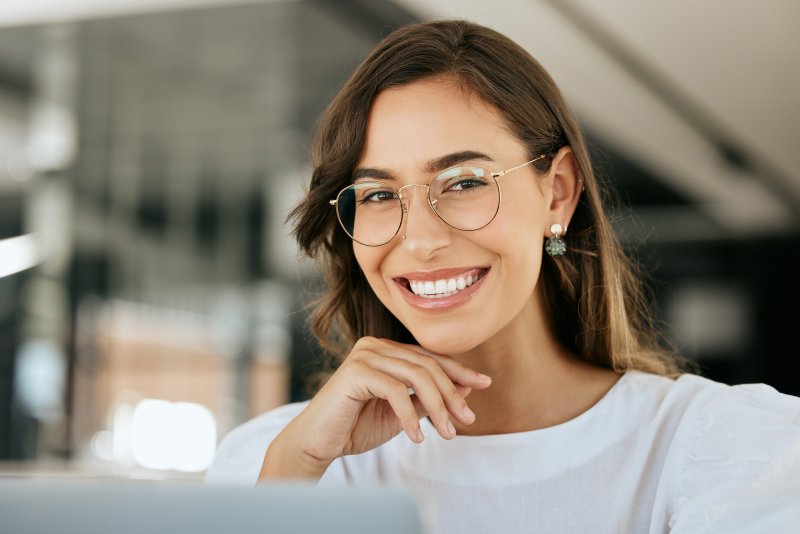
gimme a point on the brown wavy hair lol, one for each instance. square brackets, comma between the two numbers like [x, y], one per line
[593, 295]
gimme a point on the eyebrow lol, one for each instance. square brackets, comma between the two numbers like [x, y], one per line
[434, 165]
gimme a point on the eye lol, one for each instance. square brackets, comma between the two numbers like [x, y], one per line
[460, 180]
[465, 183]
[377, 196]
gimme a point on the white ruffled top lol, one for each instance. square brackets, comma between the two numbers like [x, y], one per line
[653, 455]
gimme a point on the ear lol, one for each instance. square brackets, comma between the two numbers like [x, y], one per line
[566, 185]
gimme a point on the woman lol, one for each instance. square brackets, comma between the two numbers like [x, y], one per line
[498, 355]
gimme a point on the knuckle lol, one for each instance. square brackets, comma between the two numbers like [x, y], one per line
[416, 371]
[354, 365]
[362, 343]
[392, 387]
[438, 406]
[455, 401]
[439, 376]
[431, 365]
[355, 355]
[398, 389]
[452, 391]
[427, 384]
[424, 365]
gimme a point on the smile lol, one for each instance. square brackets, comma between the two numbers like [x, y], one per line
[444, 287]
[441, 289]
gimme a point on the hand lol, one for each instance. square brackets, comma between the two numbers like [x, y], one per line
[367, 400]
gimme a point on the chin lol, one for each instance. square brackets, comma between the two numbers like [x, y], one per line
[449, 344]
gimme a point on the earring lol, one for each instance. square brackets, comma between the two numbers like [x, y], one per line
[555, 246]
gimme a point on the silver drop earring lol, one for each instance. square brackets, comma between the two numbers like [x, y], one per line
[555, 246]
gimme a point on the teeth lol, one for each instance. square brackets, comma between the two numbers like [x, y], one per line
[442, 288]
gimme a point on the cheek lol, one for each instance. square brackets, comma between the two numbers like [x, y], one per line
[518, 229]
[522, 264]
[365, 259]
[520, 245]
[370, 259]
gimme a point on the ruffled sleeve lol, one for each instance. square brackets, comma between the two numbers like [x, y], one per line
[740, 472]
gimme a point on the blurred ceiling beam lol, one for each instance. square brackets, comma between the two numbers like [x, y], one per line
[731, 151]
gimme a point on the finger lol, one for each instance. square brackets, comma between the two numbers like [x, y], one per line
[376, 384]
[464, 375]
[463, 390]
[426, 390]
[455, 402]
[455, 370]
[370, 348]
[422, 412]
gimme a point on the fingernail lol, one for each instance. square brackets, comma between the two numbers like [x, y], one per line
[420, 436]
[484, 378]
[450, 428]
[468, 414]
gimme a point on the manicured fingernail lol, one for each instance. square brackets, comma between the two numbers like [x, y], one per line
[450, 428]
[469, 415]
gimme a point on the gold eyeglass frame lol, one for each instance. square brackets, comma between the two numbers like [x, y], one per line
[432, 203]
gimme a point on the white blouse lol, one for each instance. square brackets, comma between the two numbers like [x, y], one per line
[653, 455]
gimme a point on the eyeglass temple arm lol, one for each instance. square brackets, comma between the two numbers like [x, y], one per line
[501, 173]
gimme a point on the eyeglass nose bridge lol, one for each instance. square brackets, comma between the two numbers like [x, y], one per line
[404, 202]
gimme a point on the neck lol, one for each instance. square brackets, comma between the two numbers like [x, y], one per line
[536, 383]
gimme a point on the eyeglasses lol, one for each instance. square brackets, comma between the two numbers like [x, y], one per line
[465, 197]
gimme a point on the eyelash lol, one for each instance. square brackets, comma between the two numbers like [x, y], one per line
[368, 197]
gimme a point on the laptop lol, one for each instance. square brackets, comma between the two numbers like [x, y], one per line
[70, 506]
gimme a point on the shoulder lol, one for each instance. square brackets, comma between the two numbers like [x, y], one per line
[739, 467]
[747, 422]
[700, 401]
[240, 454]
[686, 390]
[666, 403]
[737, 422]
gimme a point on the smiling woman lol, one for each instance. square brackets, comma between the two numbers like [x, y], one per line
[529, 383]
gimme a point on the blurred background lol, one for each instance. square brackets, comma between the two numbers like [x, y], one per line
[150, 298]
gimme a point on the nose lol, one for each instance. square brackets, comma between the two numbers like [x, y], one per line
[425, 233]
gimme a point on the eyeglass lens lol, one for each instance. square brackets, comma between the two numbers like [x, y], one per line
[465, 197]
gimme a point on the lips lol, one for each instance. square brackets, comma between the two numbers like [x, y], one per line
[442, 288]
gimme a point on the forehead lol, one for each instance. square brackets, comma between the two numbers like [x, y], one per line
[410, 125]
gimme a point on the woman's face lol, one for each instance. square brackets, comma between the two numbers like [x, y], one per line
[409, 129]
